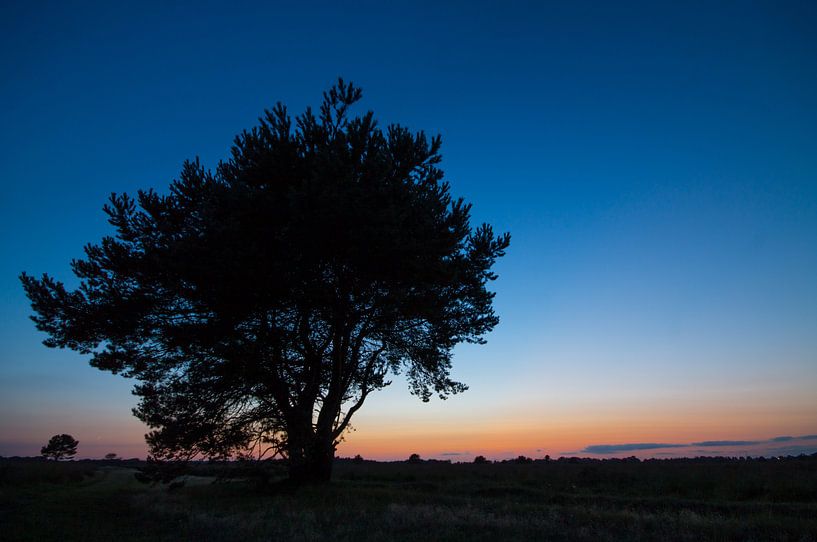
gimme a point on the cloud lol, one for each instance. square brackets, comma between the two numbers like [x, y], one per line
[452, 453]
[604, 449]
[719, 443]
[617, 448]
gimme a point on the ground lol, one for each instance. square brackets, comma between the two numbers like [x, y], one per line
[559, 500]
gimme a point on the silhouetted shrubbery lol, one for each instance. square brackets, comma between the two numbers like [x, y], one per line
[25, 471]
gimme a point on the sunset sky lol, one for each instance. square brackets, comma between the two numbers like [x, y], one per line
[655, 163]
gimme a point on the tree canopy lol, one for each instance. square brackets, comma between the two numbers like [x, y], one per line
[60, 446]
[258, 305]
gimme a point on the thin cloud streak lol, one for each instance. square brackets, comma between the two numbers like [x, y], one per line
[608, 449]
[616, 448]
[719, 443]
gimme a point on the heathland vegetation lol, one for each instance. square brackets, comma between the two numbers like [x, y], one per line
[564, 499]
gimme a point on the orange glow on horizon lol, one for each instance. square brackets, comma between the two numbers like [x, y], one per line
[456, 434]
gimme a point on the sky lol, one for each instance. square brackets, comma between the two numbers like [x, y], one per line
[655, 163]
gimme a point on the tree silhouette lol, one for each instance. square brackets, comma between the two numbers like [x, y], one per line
[60, 446]
[259, 305]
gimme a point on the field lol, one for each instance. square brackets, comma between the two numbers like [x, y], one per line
[692, 500]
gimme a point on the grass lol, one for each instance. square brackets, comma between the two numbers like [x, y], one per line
[560, 500]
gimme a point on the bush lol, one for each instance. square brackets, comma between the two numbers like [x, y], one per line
[18, 472]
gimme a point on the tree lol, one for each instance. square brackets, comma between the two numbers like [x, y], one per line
[260, 304]
[60, 446]
[480, 459]
[111, 456]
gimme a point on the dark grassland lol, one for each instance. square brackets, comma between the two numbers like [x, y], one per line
[558, 500]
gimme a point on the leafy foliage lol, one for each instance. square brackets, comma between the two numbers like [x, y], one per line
[260, 304]
[59, 447]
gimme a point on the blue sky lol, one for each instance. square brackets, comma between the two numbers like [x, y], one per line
[656, 164]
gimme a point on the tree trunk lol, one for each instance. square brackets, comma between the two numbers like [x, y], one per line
[310, 459]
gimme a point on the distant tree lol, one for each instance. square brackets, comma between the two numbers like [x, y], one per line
[110, 456]
[414, 458]
[358, 458]
[480, 459]
[259, 305]
[523, 459]
[60, 446]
